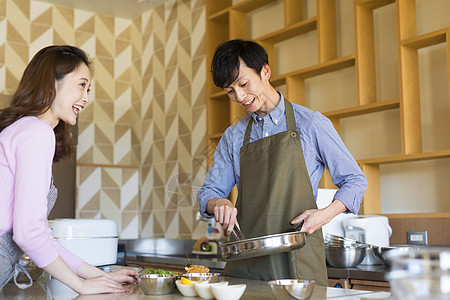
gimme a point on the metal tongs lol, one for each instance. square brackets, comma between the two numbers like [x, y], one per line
[237, 233]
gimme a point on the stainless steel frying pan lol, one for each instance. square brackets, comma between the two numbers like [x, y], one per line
[265, 245]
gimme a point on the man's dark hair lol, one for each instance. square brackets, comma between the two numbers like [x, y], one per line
[225, 63]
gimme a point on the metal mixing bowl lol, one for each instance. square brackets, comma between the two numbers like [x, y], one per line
[210, 277]
[344, 257]
[154, 284]
[286, 289]
[421, 273]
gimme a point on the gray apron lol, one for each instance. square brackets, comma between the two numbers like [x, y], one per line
[10, 252]
[274, 188]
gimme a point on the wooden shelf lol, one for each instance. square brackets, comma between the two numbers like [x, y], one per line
[320, 69]
[406, 158]
[418, 215]
[226, 21]
[327, 67]
[215, 136]
[250, 5]
[288, 32]
[364, 109]
[244, 6]
[222, 95]
[427, 40]
[374, 4]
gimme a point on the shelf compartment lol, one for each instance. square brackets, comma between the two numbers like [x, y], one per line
[428, 39]
[289, 31]
[406, 158]
[364, 109]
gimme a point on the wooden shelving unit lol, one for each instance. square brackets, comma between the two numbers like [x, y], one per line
[226, 21]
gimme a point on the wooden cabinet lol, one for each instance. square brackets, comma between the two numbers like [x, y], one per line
[370, 285]
[225, 20]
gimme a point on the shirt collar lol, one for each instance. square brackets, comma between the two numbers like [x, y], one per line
[275, 115]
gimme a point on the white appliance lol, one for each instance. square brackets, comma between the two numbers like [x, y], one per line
[93, 240]
[335, 226]
[371, 229]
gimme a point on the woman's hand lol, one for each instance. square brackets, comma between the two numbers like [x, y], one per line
[224, 212]
[100, 285]
[124, 276]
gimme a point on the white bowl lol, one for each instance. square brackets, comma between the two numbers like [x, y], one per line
[203, 288]
[228, 292]
[185, 289]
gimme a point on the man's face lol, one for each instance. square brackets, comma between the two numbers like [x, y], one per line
[250, 89]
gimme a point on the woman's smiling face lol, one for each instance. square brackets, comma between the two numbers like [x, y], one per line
[71, 97]
[251, 89]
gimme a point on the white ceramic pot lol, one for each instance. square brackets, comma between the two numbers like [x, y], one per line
[93, 240]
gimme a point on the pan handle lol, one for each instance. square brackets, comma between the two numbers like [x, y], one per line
[296, 227]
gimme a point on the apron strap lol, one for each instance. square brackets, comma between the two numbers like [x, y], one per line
[290, 119]
[290, 122]
[17, 269]
[247, 133]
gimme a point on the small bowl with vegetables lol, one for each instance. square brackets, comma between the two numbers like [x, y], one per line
[157, 282]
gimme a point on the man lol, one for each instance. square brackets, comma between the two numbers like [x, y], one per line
[276, 154]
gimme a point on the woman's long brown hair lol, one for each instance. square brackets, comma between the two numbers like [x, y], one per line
[37, 90]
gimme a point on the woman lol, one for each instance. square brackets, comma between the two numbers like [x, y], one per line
[34, 132]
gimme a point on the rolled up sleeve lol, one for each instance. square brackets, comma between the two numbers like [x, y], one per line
[344, 170]
[220, 178]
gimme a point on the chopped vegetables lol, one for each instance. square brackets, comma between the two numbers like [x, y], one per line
[158, 271]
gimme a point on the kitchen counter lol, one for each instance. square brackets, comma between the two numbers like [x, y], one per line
[216, 264]
[48, 289]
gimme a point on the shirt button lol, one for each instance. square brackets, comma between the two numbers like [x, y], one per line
[267, 134]
[276, 121]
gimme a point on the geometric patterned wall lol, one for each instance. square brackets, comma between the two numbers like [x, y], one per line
[173, 118]
[142, 139]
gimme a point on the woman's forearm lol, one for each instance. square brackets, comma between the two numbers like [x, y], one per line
[61, 271]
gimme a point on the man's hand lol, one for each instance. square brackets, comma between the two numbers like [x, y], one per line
[314, 219]
[224, 212]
